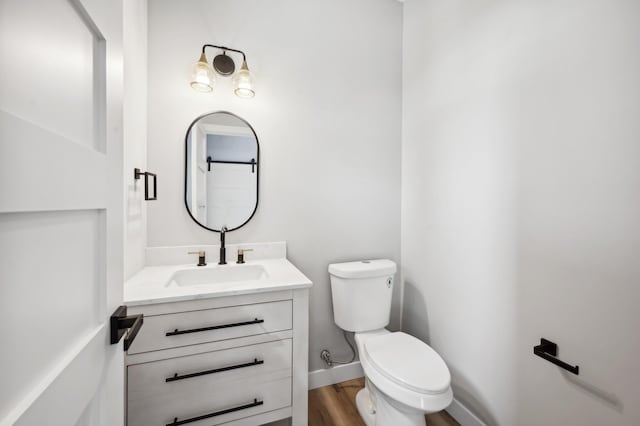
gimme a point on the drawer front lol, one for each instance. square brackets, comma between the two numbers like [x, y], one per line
[177, 375]
[190, 328]
[197, 385]
[208, 404]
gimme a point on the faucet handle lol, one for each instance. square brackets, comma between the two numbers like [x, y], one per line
[241, 253]
[201, 257]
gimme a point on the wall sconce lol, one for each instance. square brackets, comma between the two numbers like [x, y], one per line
[203, 77]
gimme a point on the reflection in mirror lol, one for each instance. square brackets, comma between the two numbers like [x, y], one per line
[221, 173]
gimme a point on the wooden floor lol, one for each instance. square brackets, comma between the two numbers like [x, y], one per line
[335, 405]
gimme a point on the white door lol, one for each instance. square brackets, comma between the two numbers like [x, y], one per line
[60, 211]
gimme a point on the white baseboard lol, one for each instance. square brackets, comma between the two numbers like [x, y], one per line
[463, 415]
[330, 376]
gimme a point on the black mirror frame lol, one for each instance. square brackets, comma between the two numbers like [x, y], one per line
[186, 142]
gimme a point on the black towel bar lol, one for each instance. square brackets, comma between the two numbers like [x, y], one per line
[136, 175]
[252, 163]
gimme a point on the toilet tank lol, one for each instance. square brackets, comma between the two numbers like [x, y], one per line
[361, 293]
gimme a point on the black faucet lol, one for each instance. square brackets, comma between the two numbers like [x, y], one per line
[223, 249]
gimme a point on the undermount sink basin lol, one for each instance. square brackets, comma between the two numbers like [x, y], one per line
[218, 275]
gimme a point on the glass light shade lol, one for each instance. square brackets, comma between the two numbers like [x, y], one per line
[202, 76]
[243, 85]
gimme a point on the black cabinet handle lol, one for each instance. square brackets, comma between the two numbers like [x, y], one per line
[549, 350]
[177, 422]
[215, 370]
[177, 332]
[120, 323]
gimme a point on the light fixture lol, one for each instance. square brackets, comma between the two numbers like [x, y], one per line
[203, 78]
[243, 82]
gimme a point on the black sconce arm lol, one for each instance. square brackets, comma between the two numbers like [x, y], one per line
[244, 58]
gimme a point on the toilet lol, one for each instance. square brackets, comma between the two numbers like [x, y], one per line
[405, 377]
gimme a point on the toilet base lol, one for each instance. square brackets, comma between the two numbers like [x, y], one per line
[365, 407]
[377, 410]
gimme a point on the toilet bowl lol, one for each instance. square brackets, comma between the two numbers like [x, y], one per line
[405, 378]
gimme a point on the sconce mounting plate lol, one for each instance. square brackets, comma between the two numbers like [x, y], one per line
[224, 65]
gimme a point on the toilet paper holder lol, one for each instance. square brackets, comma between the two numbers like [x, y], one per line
[548, 350]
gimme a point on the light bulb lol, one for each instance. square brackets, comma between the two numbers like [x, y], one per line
[202, 77]
[243, 82]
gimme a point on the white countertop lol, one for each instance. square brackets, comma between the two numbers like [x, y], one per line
[152, 284]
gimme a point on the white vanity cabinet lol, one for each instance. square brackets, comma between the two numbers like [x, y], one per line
[233, 360]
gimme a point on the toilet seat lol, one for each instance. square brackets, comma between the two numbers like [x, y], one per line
[408, 362]
[407, 370]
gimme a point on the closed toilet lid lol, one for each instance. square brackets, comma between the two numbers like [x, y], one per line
[408, 362]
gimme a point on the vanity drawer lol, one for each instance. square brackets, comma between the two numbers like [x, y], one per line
[211, 405]
[147, 380]
[190, 328]
[195, 385]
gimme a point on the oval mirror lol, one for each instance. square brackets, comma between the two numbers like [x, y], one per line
[221, 171]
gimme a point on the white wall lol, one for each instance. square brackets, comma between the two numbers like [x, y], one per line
[327, 115]
[521, 175]
[135, 131]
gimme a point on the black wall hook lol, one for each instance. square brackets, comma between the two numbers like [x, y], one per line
[549, 350]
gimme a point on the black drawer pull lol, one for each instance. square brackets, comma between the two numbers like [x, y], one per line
[177, 332]
[177, 422]
[216, 370]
